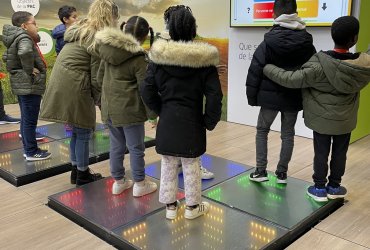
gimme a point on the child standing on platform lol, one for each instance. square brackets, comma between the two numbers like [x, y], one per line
[287, 45]
[180, 74]
[122, 69]
[68, 16]
[331, 82]
[73, 92]
[27, 68]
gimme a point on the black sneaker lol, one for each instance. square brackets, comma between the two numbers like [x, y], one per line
[39, 150]
[39, 156]
[259, 176]
[6, 119]
[84, 177]
[73, 174]
[282, 177]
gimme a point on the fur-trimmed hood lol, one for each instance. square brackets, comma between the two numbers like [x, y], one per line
[115, 47]
[184, 54]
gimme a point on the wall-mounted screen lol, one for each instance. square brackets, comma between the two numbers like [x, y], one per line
[247, 13]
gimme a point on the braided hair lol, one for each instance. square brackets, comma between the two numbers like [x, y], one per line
[182, 24]
[139, 28]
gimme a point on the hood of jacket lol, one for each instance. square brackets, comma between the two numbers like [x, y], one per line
[10, 33]
[182, 58]
[346, 76]
[282, 41]
[116, 47]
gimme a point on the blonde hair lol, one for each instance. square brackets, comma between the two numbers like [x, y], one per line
[102, 13]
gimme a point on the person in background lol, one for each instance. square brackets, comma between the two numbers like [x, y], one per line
[122, 69]
[287, 45]
[181, 73]
[27, 68]
[4, 118]
[68, 16]
[331, 82]
[73, 92]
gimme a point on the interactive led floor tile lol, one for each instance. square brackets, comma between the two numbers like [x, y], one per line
[16, 170]
[222, 168]
[60, 131]
[221, 228]
[94, 205]
[11, 141]
[286, 205]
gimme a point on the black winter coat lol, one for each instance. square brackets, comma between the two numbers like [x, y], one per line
[178, 78]
[285, 48]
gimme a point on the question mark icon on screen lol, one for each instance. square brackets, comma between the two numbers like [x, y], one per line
[249, 9]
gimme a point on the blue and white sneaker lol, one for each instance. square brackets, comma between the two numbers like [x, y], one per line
[318, 194]
[39, 156]
[39, 149]
[6, 119]
[336, 193]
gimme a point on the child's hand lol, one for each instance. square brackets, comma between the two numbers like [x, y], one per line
[35, 71]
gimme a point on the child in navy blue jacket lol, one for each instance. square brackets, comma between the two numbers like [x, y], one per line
[68, 16]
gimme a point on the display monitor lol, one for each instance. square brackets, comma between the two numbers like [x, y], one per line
[248, 13]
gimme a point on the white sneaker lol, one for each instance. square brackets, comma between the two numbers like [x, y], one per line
[192, 213]
[205, 174]
[121, 185]
[171, 211]
[143, 188]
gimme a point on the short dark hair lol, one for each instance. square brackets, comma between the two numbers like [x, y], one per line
[65, 11]
[285, 7]
[138, 27]
[20, 17]
[182, 25]
[344, 30]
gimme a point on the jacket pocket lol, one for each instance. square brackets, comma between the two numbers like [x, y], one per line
[20, 78]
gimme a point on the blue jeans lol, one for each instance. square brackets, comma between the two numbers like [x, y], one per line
[265, 119]
[30, 108]
[133, 137]
[79, 147]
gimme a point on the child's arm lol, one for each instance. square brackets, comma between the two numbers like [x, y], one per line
[25, 53]
[213, 94]
[255, 74]
[149, 90]
[302, 78]
[95, 90]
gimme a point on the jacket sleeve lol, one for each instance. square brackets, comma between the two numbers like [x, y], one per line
[213, 105]
[302, 78]
[25, 53]
[140, 73]
[100, 75]
[95, 89]
[149, 90]
[255, 74]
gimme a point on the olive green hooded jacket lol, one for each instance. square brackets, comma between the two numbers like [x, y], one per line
[330, 90]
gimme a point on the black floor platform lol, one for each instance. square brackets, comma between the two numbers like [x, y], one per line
[16, 170]
[243, 215]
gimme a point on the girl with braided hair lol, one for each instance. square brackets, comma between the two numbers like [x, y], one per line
[122, 69]
[181, 73]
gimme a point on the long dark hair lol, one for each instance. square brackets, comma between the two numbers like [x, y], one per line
[138, 27]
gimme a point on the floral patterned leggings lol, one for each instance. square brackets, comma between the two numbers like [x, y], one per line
[169, 180]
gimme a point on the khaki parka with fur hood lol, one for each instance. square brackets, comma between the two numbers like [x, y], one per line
[179, 77]
[330, 90]
[21, 57]
[122, 69]
[73, 92]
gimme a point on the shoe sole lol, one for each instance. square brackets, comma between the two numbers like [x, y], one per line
[3, 123]
[37, 159]
[318, 199]
[281, 181]
[195, 216]
[261, 179]
[333, 197]
[207, 178]
[171, 217]
[136, 195]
